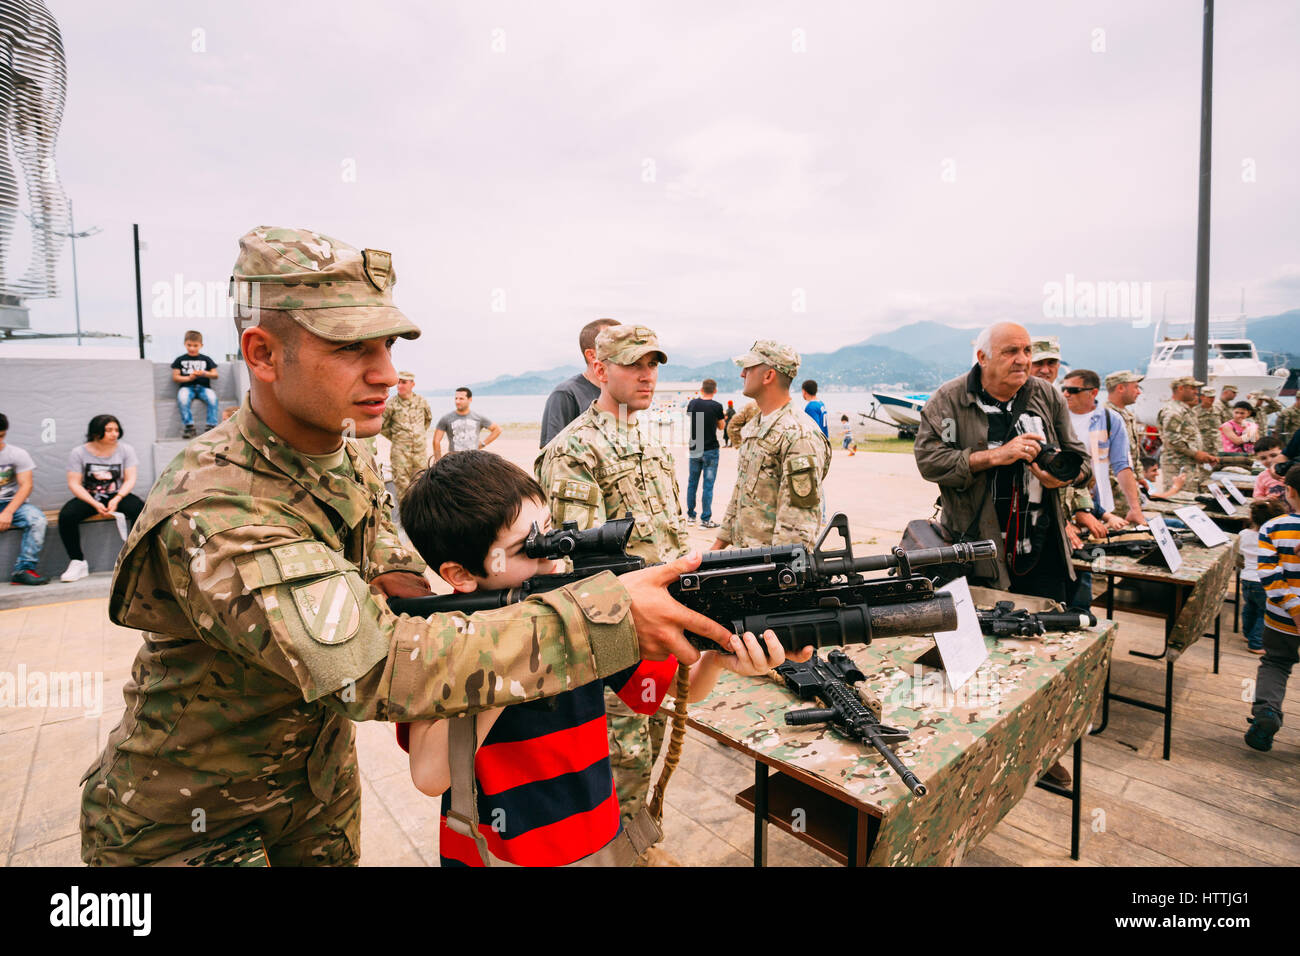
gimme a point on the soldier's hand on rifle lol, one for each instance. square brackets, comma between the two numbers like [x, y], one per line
[1203, 457]
[403, 584]
[749, 659]
[660, 621]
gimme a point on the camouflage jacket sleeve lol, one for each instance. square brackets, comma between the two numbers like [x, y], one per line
[1182, 436]
[799, 495]
[386, 422]
[293, 607]
[738, 422]
[572, 492]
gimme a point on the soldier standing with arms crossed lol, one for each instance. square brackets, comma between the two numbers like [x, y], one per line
[406, 424]
[603, 465]
[784, 458]
[258, 570]
[1181, 449]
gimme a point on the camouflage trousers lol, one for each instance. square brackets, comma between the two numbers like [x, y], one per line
[408, 461]
[634, 739]
[1171, 465]
[301, 832]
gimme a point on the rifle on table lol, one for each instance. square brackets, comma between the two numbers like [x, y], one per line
[831, 682]
[807, 597]
[1007, 620]
[1131, 544]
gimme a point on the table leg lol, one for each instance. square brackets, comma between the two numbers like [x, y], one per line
[1105, 705]
[1076, 799]
[760, 813]
[1169, 703]
[1236, 605]
[1216, 640]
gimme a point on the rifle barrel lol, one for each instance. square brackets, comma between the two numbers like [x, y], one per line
[923, 557]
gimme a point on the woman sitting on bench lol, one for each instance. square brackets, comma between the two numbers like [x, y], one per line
[101, 474]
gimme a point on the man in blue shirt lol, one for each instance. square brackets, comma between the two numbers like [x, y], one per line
[1102, 433]
[815, 408]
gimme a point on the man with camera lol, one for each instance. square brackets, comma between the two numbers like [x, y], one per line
[999, 445]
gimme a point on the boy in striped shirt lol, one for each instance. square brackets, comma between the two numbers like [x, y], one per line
[545, 790]
[1279, 573]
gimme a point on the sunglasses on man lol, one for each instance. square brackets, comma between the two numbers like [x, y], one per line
[1074, 389]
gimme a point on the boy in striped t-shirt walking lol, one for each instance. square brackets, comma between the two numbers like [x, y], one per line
[1279, 573]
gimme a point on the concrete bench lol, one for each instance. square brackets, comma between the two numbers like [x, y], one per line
[100, 542]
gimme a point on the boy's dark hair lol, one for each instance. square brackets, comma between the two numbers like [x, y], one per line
[1267, 442]
[99, 424]
[4, 422]
[1292, 479]
[1150, 462]
[1266, 509]
[193, 336]
[468, 393]
[1246, 405]
[810, 387]
[708, 386]
[456, 507]
[844, 418]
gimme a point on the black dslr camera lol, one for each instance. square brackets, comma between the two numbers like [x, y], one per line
[1061, 463]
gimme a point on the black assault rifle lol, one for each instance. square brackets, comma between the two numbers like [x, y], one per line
[815, 597]
[1007, 620]
[831, 682]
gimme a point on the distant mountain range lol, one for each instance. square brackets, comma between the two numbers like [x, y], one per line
[924, 354]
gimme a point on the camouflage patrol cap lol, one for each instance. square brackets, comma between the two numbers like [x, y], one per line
[406, 375]
[625, 344]
[1230, 386]
[1185, 380]
[1045, 349]
[1208, 390]
[1121, 378]
[766, 352]
[331, 289]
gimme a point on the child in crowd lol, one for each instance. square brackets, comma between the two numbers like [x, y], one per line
[1240, 433]
[1151, 475]
[1268, 452]
[1279, 573]
[544, 788]
[1252, 592]
[194, 372]
[847, 431]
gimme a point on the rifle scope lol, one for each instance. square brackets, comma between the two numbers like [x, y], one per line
[963, 552]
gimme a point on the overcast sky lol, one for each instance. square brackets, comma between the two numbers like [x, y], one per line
[708, 169]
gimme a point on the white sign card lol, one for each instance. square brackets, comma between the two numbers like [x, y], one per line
[1221, 498]
[1235, 492]
[962, 650]
[1209, 532]
[120, 520]
[1160, 531]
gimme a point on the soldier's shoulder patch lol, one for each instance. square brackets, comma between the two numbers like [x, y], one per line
[302, 559]
[573, 489]
[798, 463]
[328, 608]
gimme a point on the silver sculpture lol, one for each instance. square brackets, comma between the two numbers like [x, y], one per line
[33, 85]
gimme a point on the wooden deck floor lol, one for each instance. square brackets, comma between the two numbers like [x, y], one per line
[1217, 802]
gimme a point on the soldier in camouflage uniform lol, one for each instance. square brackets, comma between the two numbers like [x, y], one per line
[605, 465]
[1208, 420]
[406, 424]
[784, 458]
[1180, 438]
[1223, 404]
[1287, 423]
[738, 421]
[259, 569]
[1264, 406]
[1122, 390]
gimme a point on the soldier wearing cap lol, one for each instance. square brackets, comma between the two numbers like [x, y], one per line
[605, 464]
[1223, 404]
[1287, 423]
[1181, 447]
[259, 570]
[784, 458]
[1045, 358]
[1262, 405]
[1208, 420]
[406, 424]
[1122, 390]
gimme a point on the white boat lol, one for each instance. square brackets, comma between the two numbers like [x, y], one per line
[1233, 360]
[905, 410]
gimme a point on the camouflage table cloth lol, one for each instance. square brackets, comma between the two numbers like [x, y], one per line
[977, 750]
[1207, 572]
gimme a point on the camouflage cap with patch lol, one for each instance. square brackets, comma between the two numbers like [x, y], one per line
[409, 376]
[1208, 391]
[330, 288]
[1233, 387]
[1046, 348]
[1121, 378]
[767, 352]
[625, 344]
[1184, 381]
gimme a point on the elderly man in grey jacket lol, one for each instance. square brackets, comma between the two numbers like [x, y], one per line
[974, 445]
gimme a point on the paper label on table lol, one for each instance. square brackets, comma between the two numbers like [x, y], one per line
[120, 519]
[1235, 492]
[1209, 532]
[1160, 531]
[962, 650]
[1221, 498]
